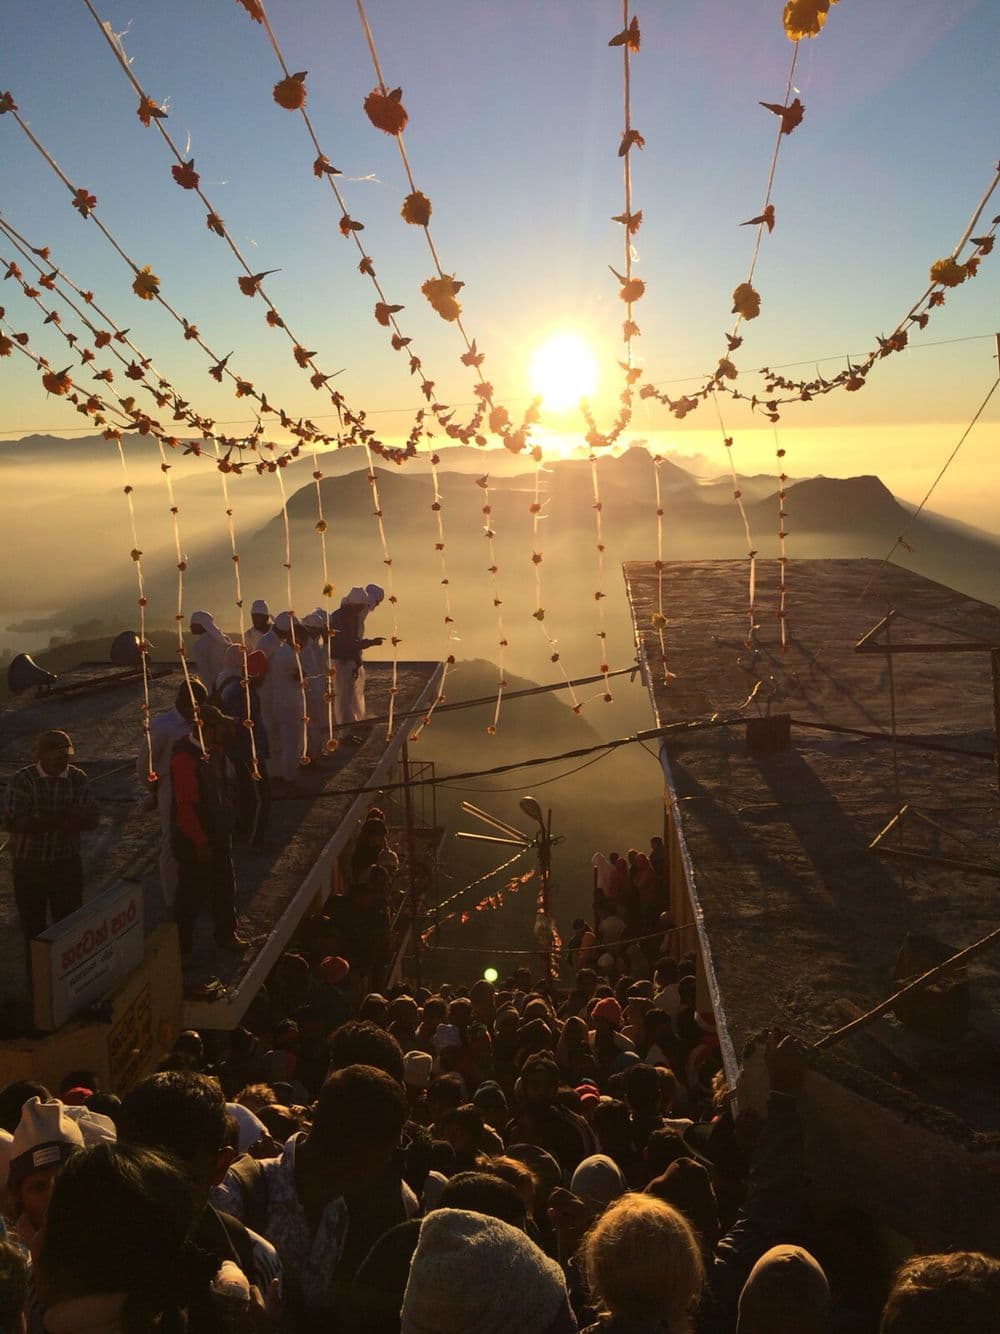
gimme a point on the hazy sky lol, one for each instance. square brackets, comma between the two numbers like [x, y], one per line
[515, 117]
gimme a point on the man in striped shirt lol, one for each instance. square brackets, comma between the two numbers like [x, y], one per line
[49, 805]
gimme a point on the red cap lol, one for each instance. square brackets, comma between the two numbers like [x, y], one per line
[334, 968]
[607, 1008]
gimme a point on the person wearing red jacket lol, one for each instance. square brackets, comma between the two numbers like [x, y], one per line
[201, 833]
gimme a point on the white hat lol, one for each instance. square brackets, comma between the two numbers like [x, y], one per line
[374, 594]
[357, 597]
[315, 620]
[45, 1135]
[251, 1127]
[94, 1127]
[476, 1275]
[283, 622]
[259, 608]
[417, 1069]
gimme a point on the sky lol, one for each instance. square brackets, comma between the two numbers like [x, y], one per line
[515, 117]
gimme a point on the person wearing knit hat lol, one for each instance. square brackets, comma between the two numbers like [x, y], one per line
[597, 1181]
[476, 1275]
[45, 1137]
[610, 1048]
[418, 1067]
[786, 1293]
[334, 969]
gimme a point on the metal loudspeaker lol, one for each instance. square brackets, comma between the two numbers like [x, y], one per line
[25, 674]
[125, 650]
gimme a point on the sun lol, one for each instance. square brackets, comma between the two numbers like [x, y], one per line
[563, 370]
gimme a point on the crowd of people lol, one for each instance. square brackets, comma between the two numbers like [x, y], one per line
[472, 1160]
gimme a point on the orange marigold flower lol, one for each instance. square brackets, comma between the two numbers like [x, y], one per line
[416, 209]
[57, 382]
[148, 110]
[185, 175]
[746, 302]
[253, 8]
[290, 93]
[948, 272]
[804, 18]
[83, 202]
[386, 111]
[146, 285]
[441, 292]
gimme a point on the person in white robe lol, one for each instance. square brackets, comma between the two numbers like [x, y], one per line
[287, 702]
[260, 625]
[348, 625]
[208, 648]
[164, 729]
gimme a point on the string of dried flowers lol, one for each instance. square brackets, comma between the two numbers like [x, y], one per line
[493, 571]
[659, 617]
[448, 657]
[390, 592]
[539, 614]
[727, 444]
[782, 538]
[304, 760]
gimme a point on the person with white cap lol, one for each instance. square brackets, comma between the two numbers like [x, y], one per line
[45, 1137]
[49, 806]
[209, 647]
[347, 624]
[287, 699]
[260, 624]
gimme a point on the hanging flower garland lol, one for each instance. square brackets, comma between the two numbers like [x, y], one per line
[146, 286]
[304, 760]
[539, 614]
[782, 538]
[727, 444]
[384, 108]
[491, 903]
[391, 111]
[390, 593]
[493, 570]
[659, 618]
[448, 657]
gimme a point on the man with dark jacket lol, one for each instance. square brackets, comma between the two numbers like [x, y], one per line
[184, 1114]
[201, 831]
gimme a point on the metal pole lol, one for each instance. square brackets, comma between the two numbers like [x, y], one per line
[411, 863]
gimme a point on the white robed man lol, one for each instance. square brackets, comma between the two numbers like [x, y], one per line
[348, 624]
[164, 729]
[259, 627]
[208, 650]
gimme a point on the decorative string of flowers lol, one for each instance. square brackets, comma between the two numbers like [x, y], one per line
[386, 111]
[493, 571]
[539, 614]
[599, 593]
[146, 286]
[60, 384]
[727, 444]
[390, 592]
[491, 903]
[448, 657]
[293, 637]
[782, 537]
[659, 616]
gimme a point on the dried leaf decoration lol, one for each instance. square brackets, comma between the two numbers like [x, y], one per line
[631, 289]
[215, 224]
[726, 370]
[185, 175]
[249, 284]
[441, 292]
[629, 36]
[253, 8]
[324, 167]
[147, 111]
[473, 357]
[416, 209]
[386, 111]
[349, 224]
[746, 302]
[6, 346]
[632, 221]
[762, 219]
[57, 382]
[7, 103]
[384, 312]
[805, 18]
[146, 285]
[290, 93]
[948, 272]
[84, 202]
[630, 139]
[791, 115]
